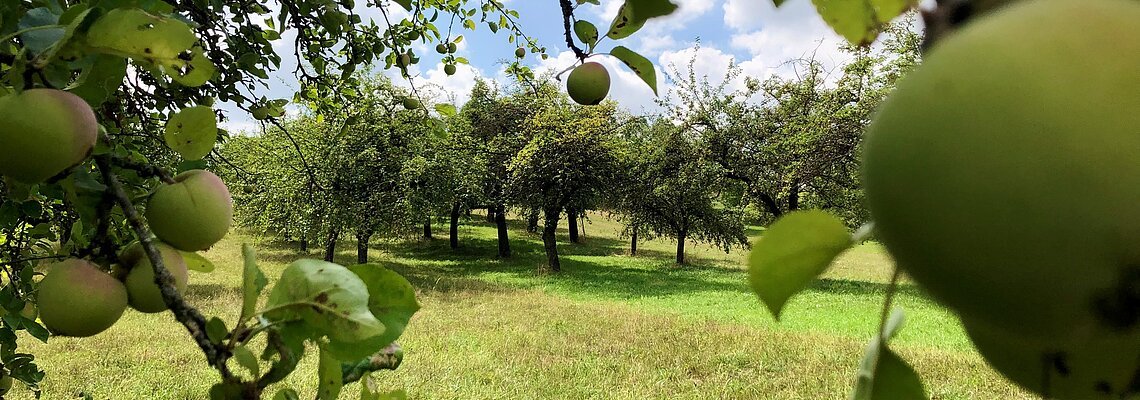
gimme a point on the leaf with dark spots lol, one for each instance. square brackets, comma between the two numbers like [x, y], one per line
[331, 301]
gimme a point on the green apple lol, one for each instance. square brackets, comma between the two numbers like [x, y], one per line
[193, 213]
[44, 132]
[411, 103]
[1098, 367]
[1003, 173]
[441, 48]
[78, 299]
[451, 47]
[520, 52]
[449, 69]
[404, 60]
[588, 84]
[144, 294]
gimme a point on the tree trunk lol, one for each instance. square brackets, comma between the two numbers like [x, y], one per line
[549, 241]
[532, 222]
[453, 234]
[330, 246]
[681, 234]
[633, 241]
[362, 240]
[794, 196]
[770, 204]
[427, 228]
[491, 214]
[582, 224]
[304, 245]
[572, 219]
[501, 222]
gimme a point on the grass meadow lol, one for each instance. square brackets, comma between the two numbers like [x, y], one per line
[610, 326]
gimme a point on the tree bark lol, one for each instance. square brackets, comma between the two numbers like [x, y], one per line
[362, 240]
[681, 234]
[453, 234]
[501, 222]
[330, 245]
[532, 222]
[427, 228]
[572, 219]
[770, 204]
[304, 245]
[549, 241]
[794, 196]
[633, 241]
[491, 214]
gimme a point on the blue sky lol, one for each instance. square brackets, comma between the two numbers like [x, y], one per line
[752, 33]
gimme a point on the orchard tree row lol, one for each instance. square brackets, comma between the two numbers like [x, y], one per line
[720, 156]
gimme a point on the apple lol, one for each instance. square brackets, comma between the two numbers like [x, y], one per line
[1003, 173]
[45, 132]
[520, 52]
[404, 60]
[588, 84]
[449, 69]
[1098, 367]
[441, 48]
[411, 103]
[76, 298]
[193, 213]
[144, 294]
[451, 47]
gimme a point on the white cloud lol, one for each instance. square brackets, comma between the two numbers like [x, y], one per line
[436, 83]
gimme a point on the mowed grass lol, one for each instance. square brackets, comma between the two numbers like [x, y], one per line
[609, 326]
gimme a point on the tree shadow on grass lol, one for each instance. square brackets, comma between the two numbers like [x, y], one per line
[864, 288]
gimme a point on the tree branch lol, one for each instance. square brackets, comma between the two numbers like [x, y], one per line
[193, 320]
[567, 16]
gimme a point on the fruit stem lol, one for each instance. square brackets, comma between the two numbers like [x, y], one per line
[193, 320]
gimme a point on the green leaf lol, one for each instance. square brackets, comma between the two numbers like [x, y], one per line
[195, 262]
[331, 380]
[594, 2]
[446, 110]
[195, 72]
[624, 24]
[407, 4]
[330, 299]
[646, 9]
[39, 41]
[247, 360]
[586, 32]
[883, 375]
[253, 281]
[140, 35]
[192, 132]
[792, 253]
[216, 330]
[287, 394]
[159, 44]
[860, 21]
[99, 82]
[778, 3]
[392, 299]
[638, 64]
